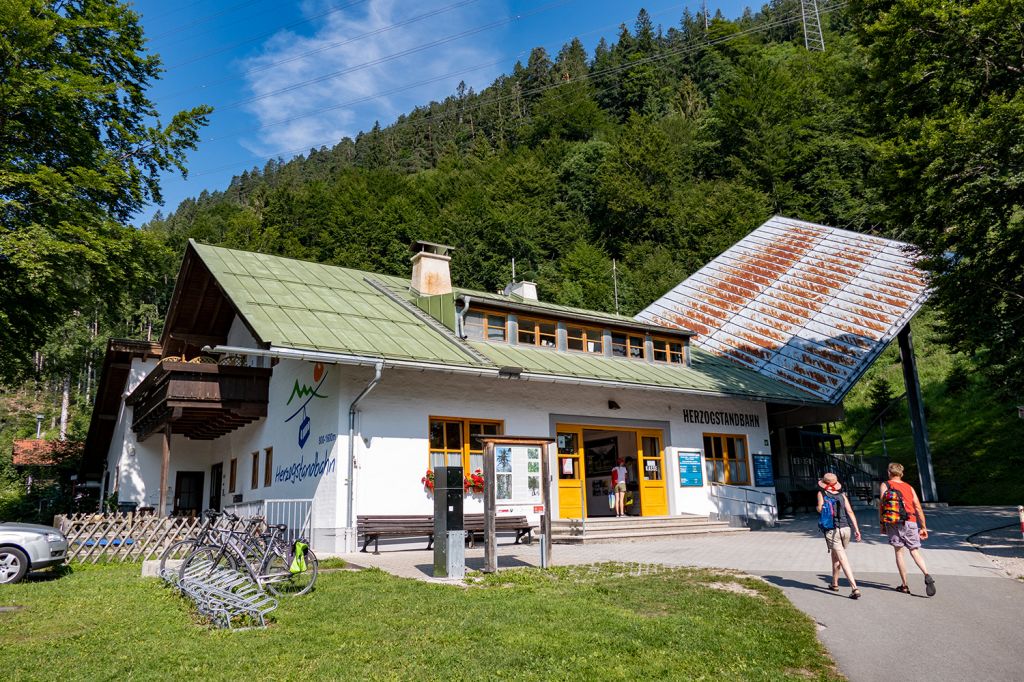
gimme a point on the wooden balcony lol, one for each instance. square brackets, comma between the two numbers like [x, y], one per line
[201, 401]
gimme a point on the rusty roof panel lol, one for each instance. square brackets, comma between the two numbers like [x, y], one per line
[807, 304]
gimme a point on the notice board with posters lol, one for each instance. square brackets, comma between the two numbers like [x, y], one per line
[516, 482]
[764, 477]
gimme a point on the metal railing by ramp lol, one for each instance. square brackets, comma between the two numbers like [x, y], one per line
[296, 514]
[749, 504]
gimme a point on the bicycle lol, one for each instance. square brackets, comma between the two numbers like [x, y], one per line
[282, 569]
[181, 549]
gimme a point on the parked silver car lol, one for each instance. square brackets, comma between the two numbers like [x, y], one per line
[29, 546]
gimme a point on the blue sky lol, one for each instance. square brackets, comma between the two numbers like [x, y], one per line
[285, 76]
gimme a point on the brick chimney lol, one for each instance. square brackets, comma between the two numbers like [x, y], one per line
[431, 274]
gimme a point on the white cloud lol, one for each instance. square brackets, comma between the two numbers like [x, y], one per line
[313, 126]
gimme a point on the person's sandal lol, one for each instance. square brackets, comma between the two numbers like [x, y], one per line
[855, 594]
[929, 585]
[904, 589]
[833, 588]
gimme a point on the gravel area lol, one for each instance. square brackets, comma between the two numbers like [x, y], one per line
[1005, 546]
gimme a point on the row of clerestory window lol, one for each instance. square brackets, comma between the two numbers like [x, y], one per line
[490, 326]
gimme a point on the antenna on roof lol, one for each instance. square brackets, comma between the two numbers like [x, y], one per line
[615, 285]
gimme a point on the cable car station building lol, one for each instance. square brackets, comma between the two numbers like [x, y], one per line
[286, 387]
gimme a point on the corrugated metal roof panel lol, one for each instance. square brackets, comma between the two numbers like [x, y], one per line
[806, 304]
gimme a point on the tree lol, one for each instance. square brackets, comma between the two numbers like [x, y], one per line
[81, 151]
[944, 85]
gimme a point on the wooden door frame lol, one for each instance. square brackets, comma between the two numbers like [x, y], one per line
[199, 476]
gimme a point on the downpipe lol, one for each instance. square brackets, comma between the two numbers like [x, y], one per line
[350, 540]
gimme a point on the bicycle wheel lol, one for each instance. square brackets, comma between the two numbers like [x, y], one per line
[204, 561]
[176, 552]
[281, 581]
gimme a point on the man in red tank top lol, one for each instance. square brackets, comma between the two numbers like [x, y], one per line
[907, 534]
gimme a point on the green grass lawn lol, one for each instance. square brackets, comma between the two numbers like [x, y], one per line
[567, 623]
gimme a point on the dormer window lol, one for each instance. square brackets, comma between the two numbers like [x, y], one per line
[669, 351]
[627, 346]
[585, 339]
[538, 333]
[485, 326]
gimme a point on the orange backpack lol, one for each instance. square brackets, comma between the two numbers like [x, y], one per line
[893, 509]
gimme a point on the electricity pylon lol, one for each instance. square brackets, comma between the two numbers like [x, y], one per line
[813, 39]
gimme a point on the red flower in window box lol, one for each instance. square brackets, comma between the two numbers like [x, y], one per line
[474, 483]
[428, 480]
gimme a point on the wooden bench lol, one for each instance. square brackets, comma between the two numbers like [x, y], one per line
[374, 527]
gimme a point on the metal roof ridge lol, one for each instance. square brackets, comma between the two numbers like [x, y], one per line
[422, 316]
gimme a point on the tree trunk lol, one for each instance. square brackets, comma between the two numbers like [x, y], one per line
[65, 400]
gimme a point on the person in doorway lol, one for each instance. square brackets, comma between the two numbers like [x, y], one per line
[619, 476]
[843, 524]
[902, 519]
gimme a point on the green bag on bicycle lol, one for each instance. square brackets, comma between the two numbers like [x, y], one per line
[299, 557]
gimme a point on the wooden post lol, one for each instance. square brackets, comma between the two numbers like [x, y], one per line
[165, 466]
[545, 491]
[490, 505]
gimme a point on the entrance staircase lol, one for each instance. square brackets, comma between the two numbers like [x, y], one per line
[630, 528]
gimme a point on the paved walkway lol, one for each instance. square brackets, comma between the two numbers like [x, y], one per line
[971, 629]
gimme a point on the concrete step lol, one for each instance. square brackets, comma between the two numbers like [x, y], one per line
[631, 521]
[613, 536]
[570, 531]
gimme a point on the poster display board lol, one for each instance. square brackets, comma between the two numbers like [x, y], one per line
[691, 474]
[517, 474]
[516, 482]
[764, 477]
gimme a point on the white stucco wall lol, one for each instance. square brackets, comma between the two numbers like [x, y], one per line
[308, 434]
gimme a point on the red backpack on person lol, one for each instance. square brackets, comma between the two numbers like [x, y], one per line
[892, 508]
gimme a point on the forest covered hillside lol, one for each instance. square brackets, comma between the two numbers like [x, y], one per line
[631, 165]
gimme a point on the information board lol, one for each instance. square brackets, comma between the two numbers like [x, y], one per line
[690, 472]
[764, 477]
[517, 474]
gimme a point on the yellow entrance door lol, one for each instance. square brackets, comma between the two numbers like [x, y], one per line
[651, 456]
[570, 472]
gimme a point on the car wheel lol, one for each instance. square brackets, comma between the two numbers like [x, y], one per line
[13, 565]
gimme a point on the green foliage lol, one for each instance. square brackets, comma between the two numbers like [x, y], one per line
[975, 434]
[943, 88]
[80, 153]
[880, 395]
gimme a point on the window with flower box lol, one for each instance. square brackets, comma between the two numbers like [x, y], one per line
[457, 441]
[627, 346]
[485, 326]
[585, 339]
[669, 351]
[542, 333]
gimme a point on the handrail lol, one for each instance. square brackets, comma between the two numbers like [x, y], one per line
[772, 507]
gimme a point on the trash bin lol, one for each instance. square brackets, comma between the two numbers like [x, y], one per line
[127, 507]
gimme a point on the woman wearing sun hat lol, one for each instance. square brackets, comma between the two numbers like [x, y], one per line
[844, 524]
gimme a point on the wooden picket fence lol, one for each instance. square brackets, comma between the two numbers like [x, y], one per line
[122, 537]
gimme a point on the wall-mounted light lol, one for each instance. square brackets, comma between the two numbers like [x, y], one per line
[612, 405]
[510, 372]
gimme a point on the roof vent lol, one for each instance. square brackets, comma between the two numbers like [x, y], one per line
[431, 274]
[524, 290]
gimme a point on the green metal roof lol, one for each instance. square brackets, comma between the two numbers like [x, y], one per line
[707, 373]
[297, 304]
